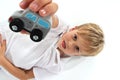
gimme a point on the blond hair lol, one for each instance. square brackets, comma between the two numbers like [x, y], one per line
[92, 38]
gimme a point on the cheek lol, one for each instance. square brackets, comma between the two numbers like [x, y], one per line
[66, 35]
[69, 51]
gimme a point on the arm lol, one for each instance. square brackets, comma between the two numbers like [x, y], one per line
[55, 21]
[17, 72]
[48, 9]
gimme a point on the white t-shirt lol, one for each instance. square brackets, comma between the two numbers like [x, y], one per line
[42, 56]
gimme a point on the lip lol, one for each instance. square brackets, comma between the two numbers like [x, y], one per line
[63, 44]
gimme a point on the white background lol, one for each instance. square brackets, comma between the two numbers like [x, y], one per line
[106, 13]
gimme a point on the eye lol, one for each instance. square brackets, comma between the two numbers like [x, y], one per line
[77, 48]
[75, 37]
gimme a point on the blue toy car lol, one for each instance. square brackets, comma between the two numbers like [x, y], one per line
[37, 26]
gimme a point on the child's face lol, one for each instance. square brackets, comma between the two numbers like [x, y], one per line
[69, 44]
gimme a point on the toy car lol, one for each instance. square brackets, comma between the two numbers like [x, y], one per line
[27, 20]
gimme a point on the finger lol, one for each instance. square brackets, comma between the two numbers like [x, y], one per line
[3, 46]
[49, 9]
[0, 38]
[25, 3]
[24, 32]
[36, 5]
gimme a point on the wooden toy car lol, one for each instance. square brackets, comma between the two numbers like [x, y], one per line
[37, 26]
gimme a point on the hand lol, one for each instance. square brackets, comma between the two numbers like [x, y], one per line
[43, 7]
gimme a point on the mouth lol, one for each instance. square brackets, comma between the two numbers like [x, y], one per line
[63, 44]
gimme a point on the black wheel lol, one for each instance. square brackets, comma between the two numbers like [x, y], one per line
[16, 25]
[36, 35]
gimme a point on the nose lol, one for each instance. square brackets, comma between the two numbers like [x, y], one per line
[71, 43]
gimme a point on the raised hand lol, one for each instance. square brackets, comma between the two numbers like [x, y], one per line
[43, 7]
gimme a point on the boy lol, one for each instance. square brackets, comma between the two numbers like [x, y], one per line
[33, 59]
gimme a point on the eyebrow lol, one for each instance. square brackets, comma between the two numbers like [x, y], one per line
[79, 42]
